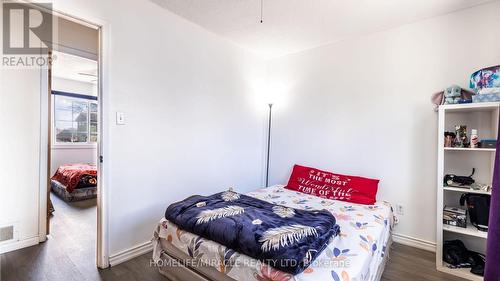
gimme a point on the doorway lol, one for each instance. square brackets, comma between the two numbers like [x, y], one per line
[72, 196]
[71, 210]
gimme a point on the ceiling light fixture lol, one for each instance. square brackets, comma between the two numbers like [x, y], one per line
[261, 11]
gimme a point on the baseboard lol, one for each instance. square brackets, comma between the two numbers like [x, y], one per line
[131, 253]
[16, 245]
[414, 242]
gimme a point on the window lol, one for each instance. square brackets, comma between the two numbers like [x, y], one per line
[75, 120]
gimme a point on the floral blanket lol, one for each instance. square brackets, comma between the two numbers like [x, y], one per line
[286, 238]
[71, 175]
[357, 254]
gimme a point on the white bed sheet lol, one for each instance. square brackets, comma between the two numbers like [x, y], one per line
[358, 253]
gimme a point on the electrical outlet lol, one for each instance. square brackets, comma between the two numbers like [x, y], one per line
[400, 210]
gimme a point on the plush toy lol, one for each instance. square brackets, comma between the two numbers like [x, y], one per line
[452, 95]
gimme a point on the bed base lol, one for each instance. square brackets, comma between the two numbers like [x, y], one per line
[172, 255]
[78, 194]
[182, 271]
[381, 267]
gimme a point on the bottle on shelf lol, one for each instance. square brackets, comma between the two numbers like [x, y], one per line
[474, 139]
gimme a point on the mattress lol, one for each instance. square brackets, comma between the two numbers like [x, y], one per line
[74, 176]
[77, 195]
[358, 253]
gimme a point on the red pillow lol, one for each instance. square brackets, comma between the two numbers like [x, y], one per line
[333, 186]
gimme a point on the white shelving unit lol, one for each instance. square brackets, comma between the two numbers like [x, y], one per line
[469, 149]
[460, 161]
[466, 190]
[470, 230]
[461, 272]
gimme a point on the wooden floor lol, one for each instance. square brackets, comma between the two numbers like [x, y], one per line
[69, 251]
[70, 255]
[407, 263]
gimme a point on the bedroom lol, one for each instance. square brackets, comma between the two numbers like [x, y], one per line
[354, 85]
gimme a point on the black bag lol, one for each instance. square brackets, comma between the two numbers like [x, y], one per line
[477, 262]
[455, 253]
[457, 256]
[454, 180]
[478, 206]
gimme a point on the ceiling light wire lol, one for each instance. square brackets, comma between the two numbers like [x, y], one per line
[261, 11]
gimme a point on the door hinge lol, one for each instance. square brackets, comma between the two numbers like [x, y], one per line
[101, 159]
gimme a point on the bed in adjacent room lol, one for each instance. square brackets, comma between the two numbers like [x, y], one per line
[75, 182]
[359, 252]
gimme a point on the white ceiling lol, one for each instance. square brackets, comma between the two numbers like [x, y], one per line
[295, 25]
[74, 68]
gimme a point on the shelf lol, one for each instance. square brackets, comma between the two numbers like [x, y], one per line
[466, 190]
[468, 107]
[482, 117]
[470, 230]
[469, 149]
[460, 272]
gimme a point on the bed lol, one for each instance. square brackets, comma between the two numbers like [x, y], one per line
[358, 253]
[75, 182]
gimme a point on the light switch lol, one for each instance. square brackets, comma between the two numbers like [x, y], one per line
[120, 118]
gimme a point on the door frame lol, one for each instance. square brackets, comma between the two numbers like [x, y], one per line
[102, 239]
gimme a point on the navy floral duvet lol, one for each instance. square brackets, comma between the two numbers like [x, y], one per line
[285, 238]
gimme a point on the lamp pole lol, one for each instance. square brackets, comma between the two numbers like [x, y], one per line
[268, 143]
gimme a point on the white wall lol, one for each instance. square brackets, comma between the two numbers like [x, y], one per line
[19, 151]
[70, 155]
[192, 125]
[363, 107]
[76, 39]
[73, 86]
